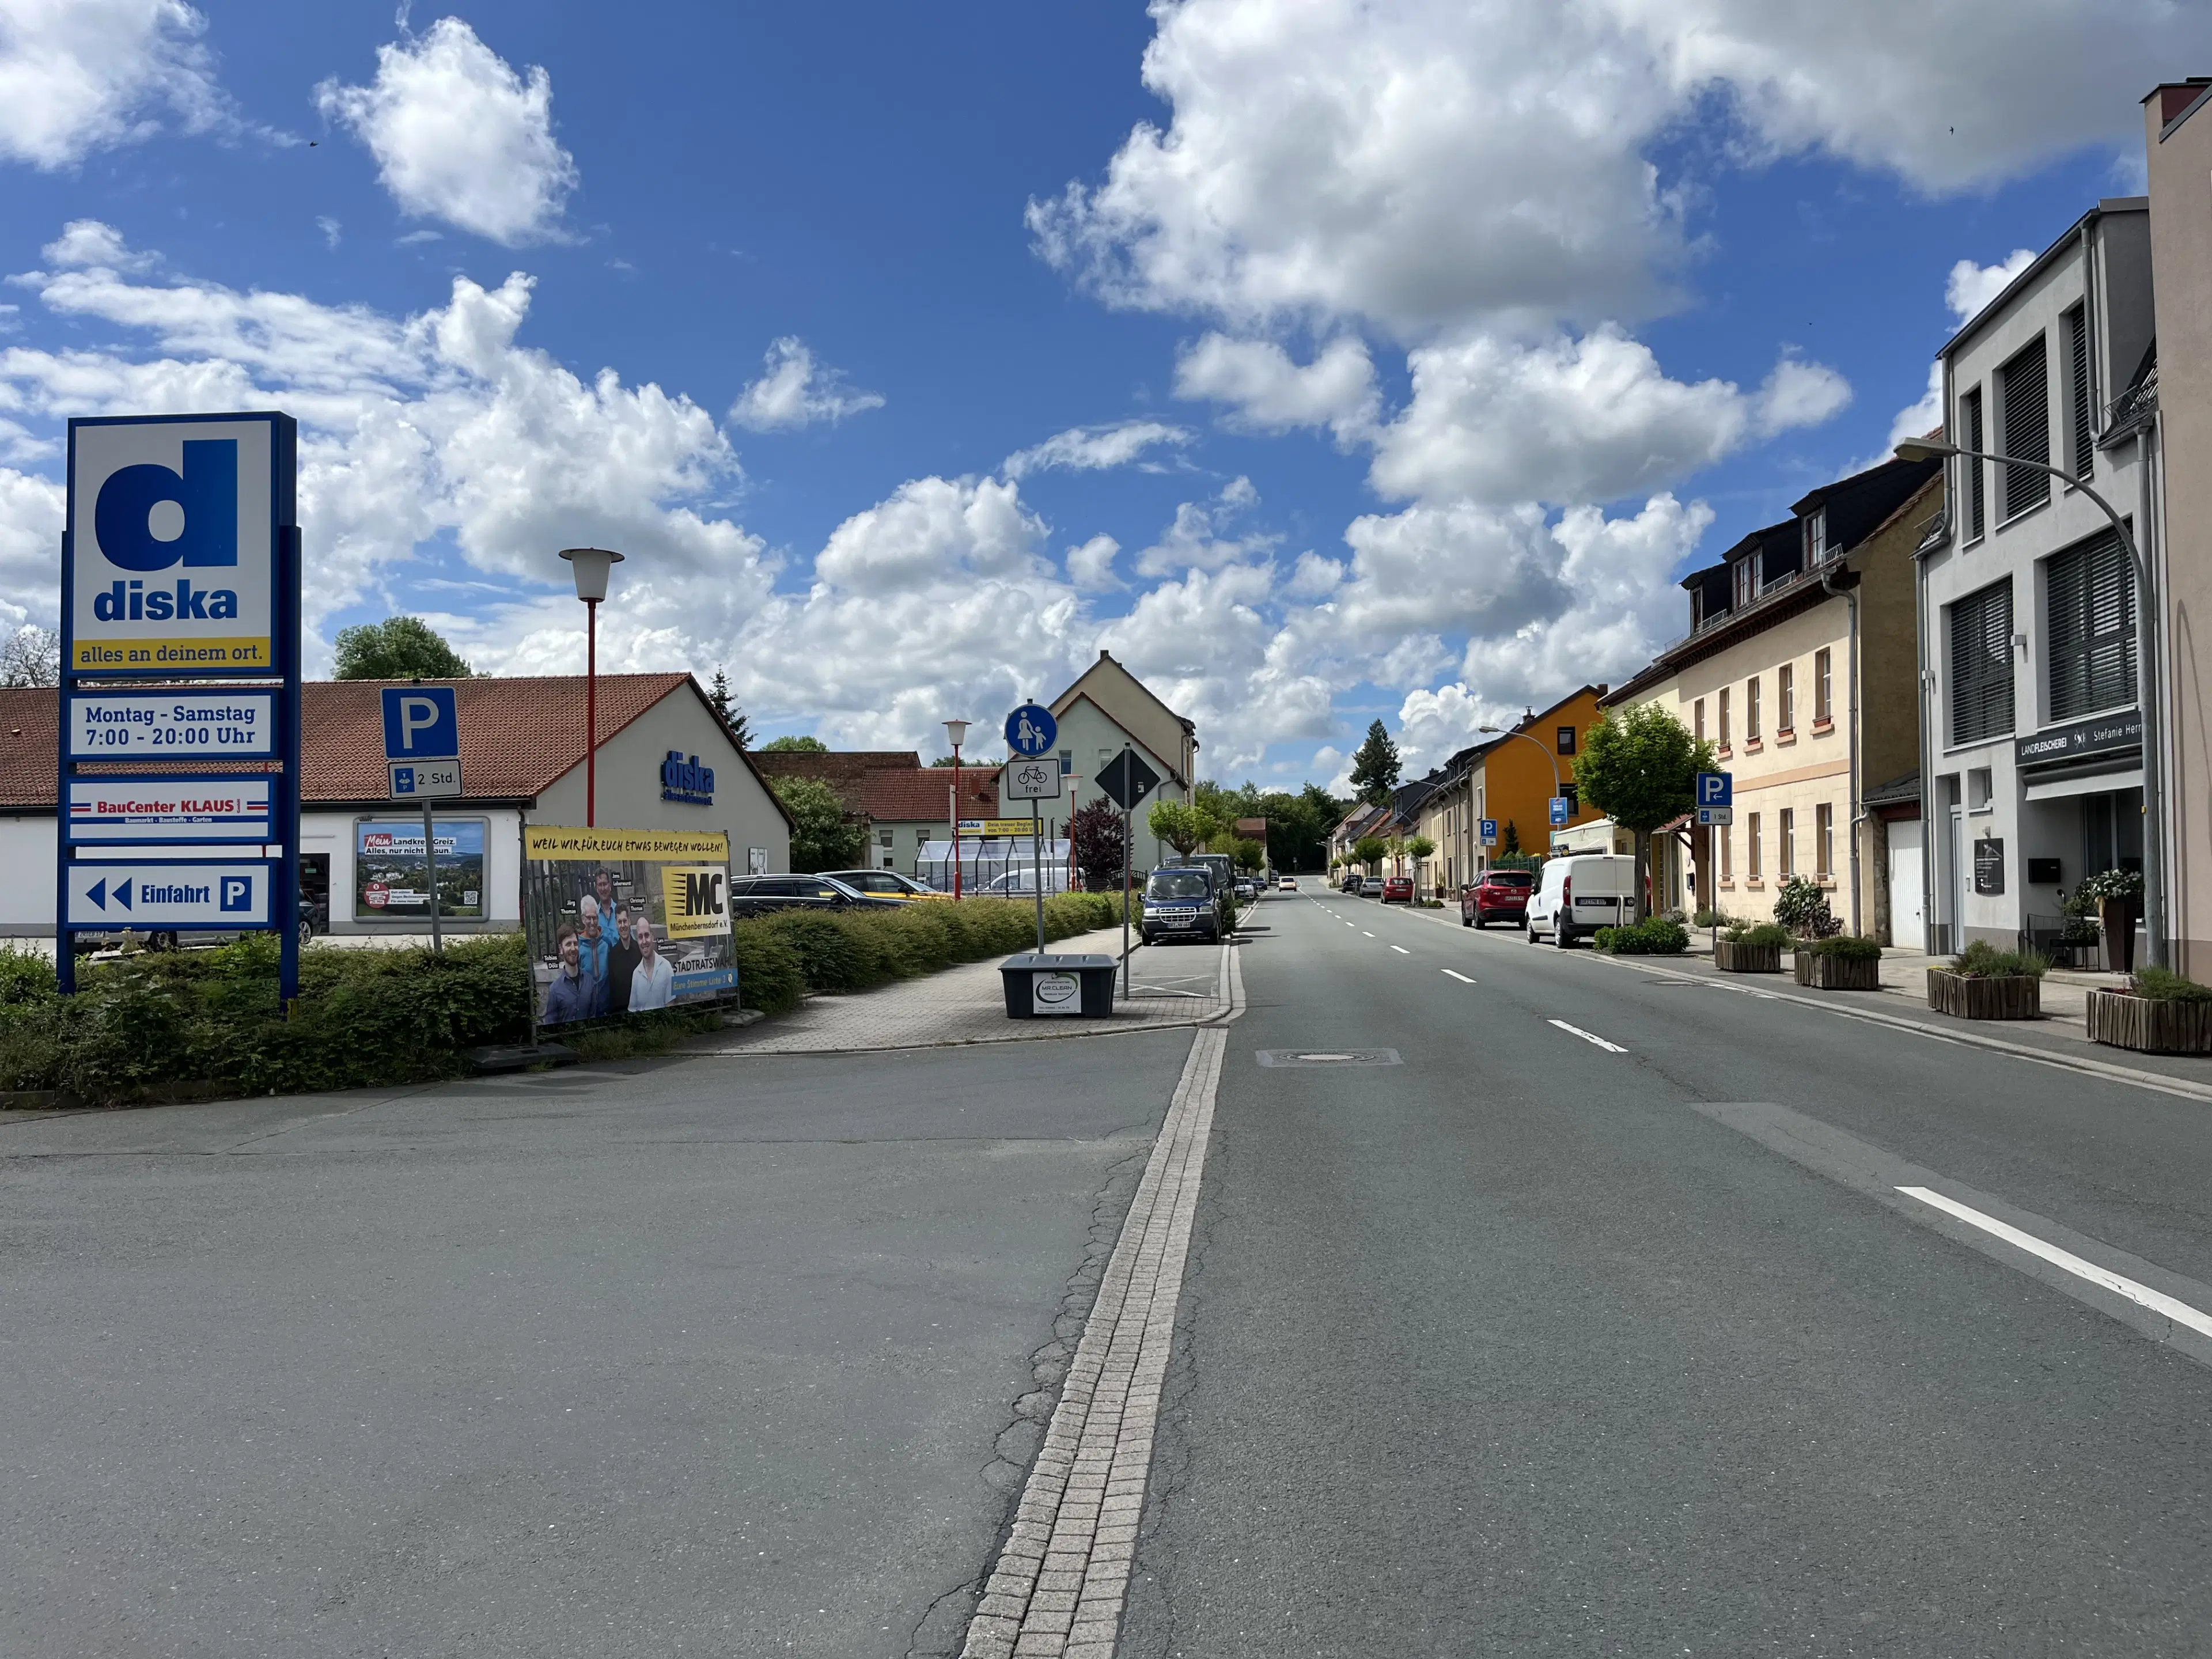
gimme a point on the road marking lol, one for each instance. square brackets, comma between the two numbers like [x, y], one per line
[1590, 1037]
[1401, 950]
[1077, 1521]
[2141, 1295]
[1460, 977]
[1362, 930]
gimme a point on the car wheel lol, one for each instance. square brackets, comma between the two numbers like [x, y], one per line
[1563, 936]
[1465, 920]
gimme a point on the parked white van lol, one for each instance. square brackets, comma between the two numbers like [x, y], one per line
[1580, 894]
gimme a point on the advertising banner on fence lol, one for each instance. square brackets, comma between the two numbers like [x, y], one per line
[392, 877]
[626, 920]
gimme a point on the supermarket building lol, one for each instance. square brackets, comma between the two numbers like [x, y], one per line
[666, 762]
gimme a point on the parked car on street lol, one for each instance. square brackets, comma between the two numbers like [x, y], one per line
[1581, 894]
[759, 895]
[885, 884]
[1371, 887]
[1500, 895]
[1397, 890]
[1350, 883]
[1180, 902]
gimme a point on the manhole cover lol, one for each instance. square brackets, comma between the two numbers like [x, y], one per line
[1328, 1057]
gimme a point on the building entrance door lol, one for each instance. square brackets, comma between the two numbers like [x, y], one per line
[1908, 928]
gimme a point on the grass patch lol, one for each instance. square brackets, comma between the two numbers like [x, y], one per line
[2164, 985]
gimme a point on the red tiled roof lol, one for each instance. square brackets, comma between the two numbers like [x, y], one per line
[518, 734]
[918, 793]
[832, 765]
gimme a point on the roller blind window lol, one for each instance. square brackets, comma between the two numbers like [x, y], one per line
[2024, 393]
[2089, 592]
[1970, 418]
[1981, 665]
[2081, 436]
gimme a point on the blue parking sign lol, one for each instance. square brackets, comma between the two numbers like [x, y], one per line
[1490, 832]
[421, 723]
[1559, 813]
[1715, 789]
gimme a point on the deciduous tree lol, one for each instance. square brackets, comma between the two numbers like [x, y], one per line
[1640, 767]
[397, 648]
[824, 834]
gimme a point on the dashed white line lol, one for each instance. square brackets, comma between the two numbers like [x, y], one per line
[1401, 950]
[1460, 977]
[1363, 930]
[1590, 1037]
[2141, 1295]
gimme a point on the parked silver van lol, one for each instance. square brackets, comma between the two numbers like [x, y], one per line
[1580, 894]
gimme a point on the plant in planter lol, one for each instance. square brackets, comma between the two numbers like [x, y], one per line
[2118, 895]
[2161, 1012]
[1662, 936]
[1745, 949]
[1842, 962]
[1802, 907]
[1987, 983]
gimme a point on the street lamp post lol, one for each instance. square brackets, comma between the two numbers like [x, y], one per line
[590, 566]
[1927, 449]
[958, 730]
[1558, 788]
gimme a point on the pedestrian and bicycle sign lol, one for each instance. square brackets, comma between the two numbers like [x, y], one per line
[1031, 730]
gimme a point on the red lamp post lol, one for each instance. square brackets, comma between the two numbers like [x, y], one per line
[958, 730]
[589, 565]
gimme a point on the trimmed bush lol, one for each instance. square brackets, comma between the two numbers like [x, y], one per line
[2164, 985]
[1661, 936]
[1846, 947]
[1768, 934]
[1982, 960]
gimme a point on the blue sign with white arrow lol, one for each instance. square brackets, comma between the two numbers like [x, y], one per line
[114, 895]
[1031, 730]
[1715, 789]
[420, 722]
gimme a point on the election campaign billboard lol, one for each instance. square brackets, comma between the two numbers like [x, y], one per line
[623, 921]
[392, 876]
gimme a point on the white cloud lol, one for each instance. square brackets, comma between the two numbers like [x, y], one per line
[77, 76]
[1437, 162]
[1588, 419]
[1970, 286]
[458, 136]
[796, 392]
[1270, 392]
[1197, 539]
[1434, 726]
[330, 228]
[88, 242]
[1091, 565]
[931, 529]
[437, 425]
[1094, 448]
[1314, 577]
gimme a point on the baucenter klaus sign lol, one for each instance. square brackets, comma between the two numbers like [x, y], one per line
[180, 562]
[173, 526]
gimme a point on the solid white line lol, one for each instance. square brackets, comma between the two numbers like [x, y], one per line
[1460, 977]
[2141, 1295]
[1590, 1037]
[1401, 950]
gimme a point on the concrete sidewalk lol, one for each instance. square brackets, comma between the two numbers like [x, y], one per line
[1169, 986]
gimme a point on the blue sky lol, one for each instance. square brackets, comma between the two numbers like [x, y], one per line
[1330, 363]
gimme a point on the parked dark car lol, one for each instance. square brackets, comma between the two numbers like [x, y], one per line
[1500, 895]
[760, 895]
[1397, 890]
[1181, 901]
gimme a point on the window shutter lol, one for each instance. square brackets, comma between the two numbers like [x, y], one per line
[1970, 411]
[2025, 388]
[2081, 446]
[2090, 593]
[1981, 664]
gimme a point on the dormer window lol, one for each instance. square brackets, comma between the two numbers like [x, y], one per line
[1816, 536]
[1747, 581]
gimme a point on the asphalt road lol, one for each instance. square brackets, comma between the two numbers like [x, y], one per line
[1528, 1344]
[717, 1357]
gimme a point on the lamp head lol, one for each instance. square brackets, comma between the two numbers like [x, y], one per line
[590, 566]
[956, 730]
[1924, 449]
[1486, 728]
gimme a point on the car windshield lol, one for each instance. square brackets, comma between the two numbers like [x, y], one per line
[1177, 885]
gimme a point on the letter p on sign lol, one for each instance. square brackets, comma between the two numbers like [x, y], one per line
[421, 723]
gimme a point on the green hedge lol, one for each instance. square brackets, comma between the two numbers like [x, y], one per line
[2164, 985]
[1850, 947]
[160, 1023]
[1658, 936]
[1982, 960]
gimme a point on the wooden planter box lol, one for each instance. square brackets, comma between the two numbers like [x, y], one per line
[1827, 973]
[2149, 1027]
[2017, 997]
[1732, 956]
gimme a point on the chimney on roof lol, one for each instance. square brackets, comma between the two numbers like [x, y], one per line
[2175, 96]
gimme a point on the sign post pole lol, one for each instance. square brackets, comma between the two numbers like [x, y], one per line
[1125, 904]
[430, 861]
[1037, 859]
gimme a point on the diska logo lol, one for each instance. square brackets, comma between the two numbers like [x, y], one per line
[206, 496]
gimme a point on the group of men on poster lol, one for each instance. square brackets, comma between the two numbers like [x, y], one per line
[610, 960]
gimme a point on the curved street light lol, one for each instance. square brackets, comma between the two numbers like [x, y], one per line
[1928, 449]
[1558, 787]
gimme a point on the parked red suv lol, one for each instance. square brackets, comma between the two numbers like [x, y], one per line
[1399, 888]
[1500, 895]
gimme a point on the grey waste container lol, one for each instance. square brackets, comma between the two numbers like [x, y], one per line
[1037, 986]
